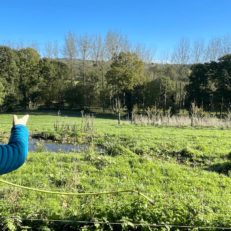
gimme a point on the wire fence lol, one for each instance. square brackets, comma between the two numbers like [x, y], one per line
[120, 223]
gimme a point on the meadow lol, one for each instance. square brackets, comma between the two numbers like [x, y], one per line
[184, 170]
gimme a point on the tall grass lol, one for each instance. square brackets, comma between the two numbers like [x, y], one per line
[64, 126]
[87, 122]
[181, 121]
[194, 117]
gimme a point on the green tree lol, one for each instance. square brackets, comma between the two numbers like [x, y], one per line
[200, 89]
[2, 94]
[126, 74]
[126, 71]
[210, 84]
[170, 71]
[84, 94]
[29, 81]
[47, 74]
[221, 73]
[54, 76]
[154, 72]
[159, 91]
[81, 95]
[9, 75]
[63, 75]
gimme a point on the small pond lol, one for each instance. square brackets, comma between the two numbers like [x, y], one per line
[64, 148]
[55, 147]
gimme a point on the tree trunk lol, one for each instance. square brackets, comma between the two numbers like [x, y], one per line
[84, 69]
[165, 96]
[176, 93]
[72, 81]
[102, 75]
[221, 108]
[192, 121]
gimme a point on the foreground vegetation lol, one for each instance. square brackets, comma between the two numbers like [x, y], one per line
[185, 171]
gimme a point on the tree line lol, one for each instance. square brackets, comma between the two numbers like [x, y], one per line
[209, 85]
[111, 73]
[28, 80]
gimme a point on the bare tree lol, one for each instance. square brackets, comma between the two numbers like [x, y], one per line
[70, 51]
[165, 56]
[20, 45]
[17, 45]
[56, 49]
[11, 44]
[99, 56]
[226, 45]
[140, 50]
[198, 50]
[112, 42]
[181, 56]
[124, 44]
[164, 61]
[96, 45]
[34, 45]
[146, 54]
[115, 43]
[181, 52]
[48, 50]
[84, 43]
[51, 50]
[214, 49]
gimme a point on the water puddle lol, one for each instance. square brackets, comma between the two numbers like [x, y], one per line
[64, 148]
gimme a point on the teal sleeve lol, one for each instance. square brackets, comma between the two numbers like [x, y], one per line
[14, 154]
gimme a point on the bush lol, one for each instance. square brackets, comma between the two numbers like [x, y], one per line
[116, 150]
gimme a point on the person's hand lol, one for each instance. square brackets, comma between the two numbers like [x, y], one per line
[21, 121]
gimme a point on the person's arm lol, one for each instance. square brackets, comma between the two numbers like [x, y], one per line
[14, 154]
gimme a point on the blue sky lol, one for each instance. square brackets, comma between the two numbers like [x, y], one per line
[161, 23]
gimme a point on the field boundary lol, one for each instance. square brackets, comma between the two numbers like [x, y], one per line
[117, 223]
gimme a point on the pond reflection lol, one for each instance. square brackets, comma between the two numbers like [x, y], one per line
[53, 147]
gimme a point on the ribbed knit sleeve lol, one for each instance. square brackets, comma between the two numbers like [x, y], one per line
[14, 154]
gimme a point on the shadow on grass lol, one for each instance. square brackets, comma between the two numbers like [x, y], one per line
[222, 168]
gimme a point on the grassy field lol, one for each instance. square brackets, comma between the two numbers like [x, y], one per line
[185, 171]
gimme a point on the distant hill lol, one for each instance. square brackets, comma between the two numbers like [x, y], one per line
[79, 62]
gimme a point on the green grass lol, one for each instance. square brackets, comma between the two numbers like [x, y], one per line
[188, 192]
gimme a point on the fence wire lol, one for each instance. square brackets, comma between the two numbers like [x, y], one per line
[119, 223]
